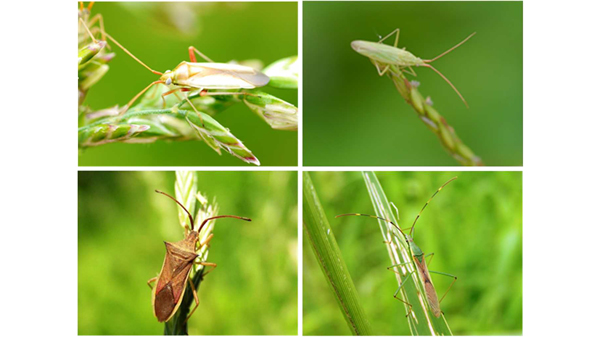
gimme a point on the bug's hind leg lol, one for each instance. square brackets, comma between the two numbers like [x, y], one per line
[192, 49]
[445, 274]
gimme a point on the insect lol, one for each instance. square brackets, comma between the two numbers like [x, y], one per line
[197, 77]
[383, 55]
[176, 269]
[418, 261]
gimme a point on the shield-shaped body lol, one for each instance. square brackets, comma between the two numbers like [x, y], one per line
[174, 274]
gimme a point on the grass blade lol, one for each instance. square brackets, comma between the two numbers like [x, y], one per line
[328, 254]
[421, 320]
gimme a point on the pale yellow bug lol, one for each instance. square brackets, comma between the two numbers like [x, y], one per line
[198, 77]
[385, 56]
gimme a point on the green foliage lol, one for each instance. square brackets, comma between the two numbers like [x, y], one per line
[474, 227]
[121, 229]
[353, 116]
[328, 255]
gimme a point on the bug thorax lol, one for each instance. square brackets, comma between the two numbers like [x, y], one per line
[416, 251]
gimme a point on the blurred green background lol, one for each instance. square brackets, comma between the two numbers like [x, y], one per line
[352, 116]
[159, 34]
[474, 227]
[122, 226]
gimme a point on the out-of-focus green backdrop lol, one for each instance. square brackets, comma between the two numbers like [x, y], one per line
[352, 116]
[159, 33]
[474, 227]
[122, 226]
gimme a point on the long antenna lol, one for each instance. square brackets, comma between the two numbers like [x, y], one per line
[448, 81]
[222, 216]
[191, 218]
[427, 203]
[451, 49]
[130, 54]
[371, 216]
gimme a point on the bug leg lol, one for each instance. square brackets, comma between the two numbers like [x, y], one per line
[431, 258]
[192, 49]
[379, 71]
[208, 264]
[207, 240]
[445, 274]
[126, 107]
[398, 291]
[92, 21]
[392, 268]
[174, 91]
[152, 280]
[196, 110]
[412, 71]
[195, 299]
[395, 31]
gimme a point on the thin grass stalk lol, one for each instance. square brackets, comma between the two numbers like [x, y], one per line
[421, 321]
[186, 192]
[329, 257]
[432, 119]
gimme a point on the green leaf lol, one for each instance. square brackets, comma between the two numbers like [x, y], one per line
[328, 254]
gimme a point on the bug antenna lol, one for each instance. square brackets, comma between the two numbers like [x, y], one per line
[130, 54]
[188, 213]
[448, 81]
[451, 49]
[427, 203]
[222, 216]
[371, 216]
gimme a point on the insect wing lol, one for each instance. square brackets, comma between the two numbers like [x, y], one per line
[223, 76]
[429, 288]
[172, 281]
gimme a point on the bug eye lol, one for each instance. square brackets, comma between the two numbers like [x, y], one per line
[168, 81]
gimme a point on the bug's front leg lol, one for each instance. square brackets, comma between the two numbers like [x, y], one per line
[174, 91]
[152, 280]
[395, 31]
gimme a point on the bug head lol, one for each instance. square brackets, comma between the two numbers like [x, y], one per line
[168, 77]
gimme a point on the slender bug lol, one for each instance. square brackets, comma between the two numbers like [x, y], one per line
[197, 78]
[177, 266]
[418, 261]
[383, 55]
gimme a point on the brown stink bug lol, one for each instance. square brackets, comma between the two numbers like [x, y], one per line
[176, 269]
